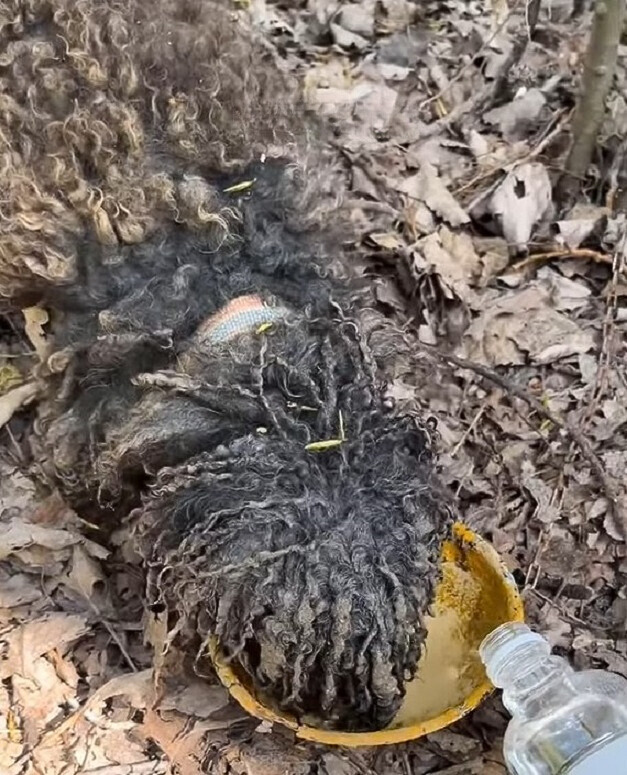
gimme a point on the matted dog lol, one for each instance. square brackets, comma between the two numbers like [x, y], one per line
[217, 374]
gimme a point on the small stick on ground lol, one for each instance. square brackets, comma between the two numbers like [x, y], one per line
[610, 485]
[607, 354]
[552, 255]
[469, 429]
[503, 169]
[139, 768]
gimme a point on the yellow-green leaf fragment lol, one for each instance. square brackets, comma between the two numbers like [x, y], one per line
[239, 187]
[10, 377]
[321, 446]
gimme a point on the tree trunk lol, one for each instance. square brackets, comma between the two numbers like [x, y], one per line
[597, 79]
[533, 12]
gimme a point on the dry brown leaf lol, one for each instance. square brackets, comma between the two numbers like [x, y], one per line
[614, 416]
[15, 399]
[499, 12]
[388, 240]
[375, 108]
[558, 632]
[26, 642]
[335, 765]
[520, 326]
[358, 17]
[40, 696]
[400, 391]
[392, 72]
[338, 101]
[175, 738]
[85, 573]
[418, 219]
[572, 233]
[427, 187]
[347, 39]
[17, 492]
[494, 257]
[17, 534]
[546, 511]
[514, 118]
[455, 746]
[394, 16]
[565, 294]
[19, 589]
[137, 687]
[269, 755]
[114, 747]
[521, 201]
[196, 698]
[34, 320]
[581, 222]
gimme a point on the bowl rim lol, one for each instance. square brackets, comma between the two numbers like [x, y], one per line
[463, 536]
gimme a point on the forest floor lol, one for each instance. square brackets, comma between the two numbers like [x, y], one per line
[451, 119]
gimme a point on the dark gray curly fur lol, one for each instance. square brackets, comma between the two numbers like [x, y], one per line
[314, 568]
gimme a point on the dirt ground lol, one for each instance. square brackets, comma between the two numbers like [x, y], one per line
[451, 120]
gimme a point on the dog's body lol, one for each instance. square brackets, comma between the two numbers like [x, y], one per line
[214, 371]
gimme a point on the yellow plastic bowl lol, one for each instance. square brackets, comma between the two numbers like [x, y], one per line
[475, 595]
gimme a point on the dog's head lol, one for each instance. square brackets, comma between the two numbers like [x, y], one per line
[308, 538]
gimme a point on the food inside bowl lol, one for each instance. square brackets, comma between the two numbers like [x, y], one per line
[475, 595]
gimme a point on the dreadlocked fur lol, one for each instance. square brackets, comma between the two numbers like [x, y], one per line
[156, 165]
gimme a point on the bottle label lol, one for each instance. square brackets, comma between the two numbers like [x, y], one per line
[608, 760]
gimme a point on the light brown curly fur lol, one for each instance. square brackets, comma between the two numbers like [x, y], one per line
[99, 101]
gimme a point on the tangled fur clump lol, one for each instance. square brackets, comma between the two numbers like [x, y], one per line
[152, 174]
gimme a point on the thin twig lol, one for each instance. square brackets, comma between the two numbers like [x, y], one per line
[118, 640]
[524, 157]
[357, 762]
[24, 354]
[609, 484]
[469, 429]
[579, 253]
[553, 604]
[502, 170]
[138, 768]
[607, 351]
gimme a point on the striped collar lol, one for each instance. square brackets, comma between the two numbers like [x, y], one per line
[241, 315]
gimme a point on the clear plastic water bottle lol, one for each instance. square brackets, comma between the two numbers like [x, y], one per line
[563, 722]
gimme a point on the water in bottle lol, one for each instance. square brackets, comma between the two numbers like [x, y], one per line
[563, 722]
